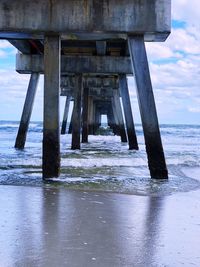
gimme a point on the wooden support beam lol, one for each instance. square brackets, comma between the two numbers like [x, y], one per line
[154, 148]
[51, 133]
[76, 115]
[65, 115]
[27, 110]
[132, 138]
[85, 115]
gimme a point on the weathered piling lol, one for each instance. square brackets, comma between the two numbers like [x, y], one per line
[154, 148]
[96, 118]
[132, 138]
[117, 109]
[91, 115]
[27, 110]
[112, 122]
[70, 124]
[90, 46]
[65, 115]
[51, 132]
[76, 115]
[85, 115]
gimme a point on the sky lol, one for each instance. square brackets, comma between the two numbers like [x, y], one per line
[174, 67]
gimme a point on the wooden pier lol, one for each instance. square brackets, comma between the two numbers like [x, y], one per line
[86, 49]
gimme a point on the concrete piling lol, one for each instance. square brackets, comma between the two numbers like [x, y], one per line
[154, 148]
[27, 110]
[65, 115]
[119, 116]
[97, 119]
[51, 132]
[91, 115]
[101, 54]
[132, 138]
[76, 115]
[85, 116]
[112, 122]
[70, 124]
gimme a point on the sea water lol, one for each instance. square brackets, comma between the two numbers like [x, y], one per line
[104, 163]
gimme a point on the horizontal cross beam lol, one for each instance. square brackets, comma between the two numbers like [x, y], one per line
[27, 64]
[91, 82]
[97, 93]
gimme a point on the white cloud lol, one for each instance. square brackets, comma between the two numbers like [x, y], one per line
[6, 49]
[5, 44]
[187, 11]
[195, 110]
[174, 66]
[185, 40]
[2, 53]
[13, 92]
[179, 43]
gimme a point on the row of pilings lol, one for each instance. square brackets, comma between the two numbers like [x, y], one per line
[88, 107]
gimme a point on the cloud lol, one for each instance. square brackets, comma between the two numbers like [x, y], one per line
[13, 92]
[174, 67]
[175, 64]
[6, 49]
[195, 110]
[187, 11]
[5, 44]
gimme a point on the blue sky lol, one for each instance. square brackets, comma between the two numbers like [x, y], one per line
[174, 67]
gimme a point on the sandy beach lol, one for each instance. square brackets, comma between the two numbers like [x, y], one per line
[61, 227]
[104, 210]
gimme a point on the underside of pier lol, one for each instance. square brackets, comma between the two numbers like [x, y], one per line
[86, 49]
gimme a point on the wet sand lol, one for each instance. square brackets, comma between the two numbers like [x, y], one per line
[60, 227]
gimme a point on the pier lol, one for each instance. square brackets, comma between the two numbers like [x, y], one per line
[85, 50]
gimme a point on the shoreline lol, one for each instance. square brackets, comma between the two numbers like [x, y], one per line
[57, 227]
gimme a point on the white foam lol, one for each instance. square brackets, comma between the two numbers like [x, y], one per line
[8, 125]
[103, 162]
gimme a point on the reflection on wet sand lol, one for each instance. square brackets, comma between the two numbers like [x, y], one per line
[57, 227]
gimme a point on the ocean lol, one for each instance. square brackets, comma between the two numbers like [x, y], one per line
[104, 164]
